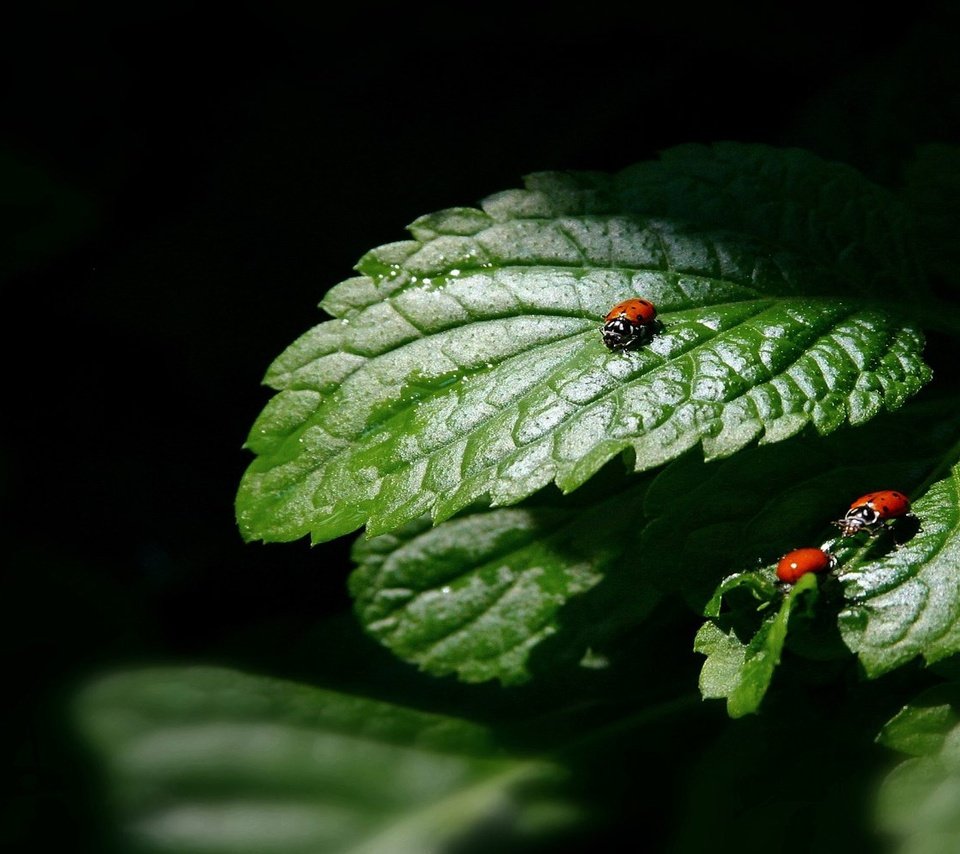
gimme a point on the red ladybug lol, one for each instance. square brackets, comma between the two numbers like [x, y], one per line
[629, 322]
[870, 511]
[793, 565]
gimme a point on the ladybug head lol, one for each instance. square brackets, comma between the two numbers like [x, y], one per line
[618, 332]
[856, 518]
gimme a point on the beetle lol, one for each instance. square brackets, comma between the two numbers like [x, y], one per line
[870, 512]
[794, 565]
[630, 322]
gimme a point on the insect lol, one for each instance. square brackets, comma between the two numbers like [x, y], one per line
[870, 511]
[793, 565]
[629, 322]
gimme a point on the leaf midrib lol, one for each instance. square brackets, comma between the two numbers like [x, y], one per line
[585, 407]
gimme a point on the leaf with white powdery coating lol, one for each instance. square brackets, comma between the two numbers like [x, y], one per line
[467, 364]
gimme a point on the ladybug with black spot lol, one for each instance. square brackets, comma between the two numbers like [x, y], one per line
[629, 323]
[872, 511]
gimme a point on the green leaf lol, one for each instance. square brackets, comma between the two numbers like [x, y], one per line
[921, 728]
[742, 671]
[210, 760]
[919, 801]
[467, 364]
[906, 602]
[475, 595]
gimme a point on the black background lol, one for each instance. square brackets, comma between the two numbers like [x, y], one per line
[203, 175]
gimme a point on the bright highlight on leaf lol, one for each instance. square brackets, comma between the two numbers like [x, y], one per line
[467, 364]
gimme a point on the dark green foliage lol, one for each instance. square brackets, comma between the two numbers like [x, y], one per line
[464, 372]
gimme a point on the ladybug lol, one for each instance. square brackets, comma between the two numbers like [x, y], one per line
[629, 322]
[870, 511]
[793, 565]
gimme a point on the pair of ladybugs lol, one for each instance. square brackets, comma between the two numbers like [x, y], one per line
[869, 512]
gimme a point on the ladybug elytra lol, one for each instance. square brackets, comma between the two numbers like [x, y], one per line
[794, 565]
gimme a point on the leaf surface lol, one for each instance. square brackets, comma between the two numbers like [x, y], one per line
[467, 364]
[707, 521]
[477, 594]
[906, 602]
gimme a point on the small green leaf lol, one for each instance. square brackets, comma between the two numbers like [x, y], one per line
[919, 801]
[760, 585]
[475, 595]
[907, 602]
[741, 672]
[921, 728]
[467, 364]
[210, 760]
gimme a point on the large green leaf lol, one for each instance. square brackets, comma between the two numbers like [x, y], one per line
[906, 602]
[467, 364]
[920, 800]
[211, 760]
[475, 595]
